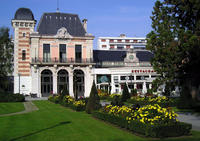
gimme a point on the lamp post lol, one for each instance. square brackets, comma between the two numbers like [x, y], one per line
[19, 81]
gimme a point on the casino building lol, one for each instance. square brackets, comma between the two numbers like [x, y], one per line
[60, 53]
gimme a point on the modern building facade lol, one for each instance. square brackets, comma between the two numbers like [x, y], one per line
[59, 53]
[121, 43]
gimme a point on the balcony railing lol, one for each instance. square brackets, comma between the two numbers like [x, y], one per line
[61, 60]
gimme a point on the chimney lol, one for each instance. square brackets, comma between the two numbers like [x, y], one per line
[84, 22]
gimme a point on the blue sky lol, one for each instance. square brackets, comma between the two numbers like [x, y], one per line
[105, 17]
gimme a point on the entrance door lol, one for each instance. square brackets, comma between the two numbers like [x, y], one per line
[46, 83]
[79, 87]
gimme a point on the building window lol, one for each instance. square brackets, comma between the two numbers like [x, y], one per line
[112, 46]
[111, 40]
[116, 78]
[78, 53]
[24, 34]
[46, 52]
[123, 77]
[23, 54]
[62, 52]
[135, 41]
[103, 40]
[128, 46]
[127, 41]
[120, 47]
[119, 40]
[104, 46]
[138, 77]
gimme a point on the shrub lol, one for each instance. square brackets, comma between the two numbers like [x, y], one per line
[78, 105]
[116, 101]
[125, 94]
[94, 100]
[152, 121]
[162, 101]
[7, 97]
[134, 92]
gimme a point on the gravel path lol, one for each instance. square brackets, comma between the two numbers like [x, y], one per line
[190, 118]
[29, 107]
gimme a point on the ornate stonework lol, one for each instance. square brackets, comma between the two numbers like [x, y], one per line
[63, 33]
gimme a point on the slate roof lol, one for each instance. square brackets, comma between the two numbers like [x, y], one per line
[23, 14]
[112, 56]
[51, 22]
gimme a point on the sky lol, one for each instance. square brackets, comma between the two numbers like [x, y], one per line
[105, 17]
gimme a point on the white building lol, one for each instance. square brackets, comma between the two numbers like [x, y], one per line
[60, 54]
[121, 43]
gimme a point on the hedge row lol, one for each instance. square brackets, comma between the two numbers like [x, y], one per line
[7, 97]
[169, 102]
[158, 131]
[57, 100]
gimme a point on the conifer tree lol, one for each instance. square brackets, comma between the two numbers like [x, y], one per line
[125, 94]
[94, 100]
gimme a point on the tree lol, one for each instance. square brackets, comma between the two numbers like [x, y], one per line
[6, 57]
[94, 100]
[175, 42]
[125, 94]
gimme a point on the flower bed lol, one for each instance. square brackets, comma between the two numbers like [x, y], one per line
[162, 101]
[69, 101]
[150, 120]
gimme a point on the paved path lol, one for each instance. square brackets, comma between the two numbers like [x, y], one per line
[29, 107]
[190, 118]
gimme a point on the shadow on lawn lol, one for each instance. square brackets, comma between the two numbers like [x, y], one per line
[42, 130]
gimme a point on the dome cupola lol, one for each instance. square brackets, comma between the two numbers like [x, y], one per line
[24, 14]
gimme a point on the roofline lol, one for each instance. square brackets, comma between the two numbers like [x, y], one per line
[122, 38]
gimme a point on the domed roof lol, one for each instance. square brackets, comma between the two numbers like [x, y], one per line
[24, 14]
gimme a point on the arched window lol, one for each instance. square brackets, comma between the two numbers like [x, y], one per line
[46, 83]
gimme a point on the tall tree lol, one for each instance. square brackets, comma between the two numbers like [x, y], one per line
[94, 100]
[175, 42]
[6, 56]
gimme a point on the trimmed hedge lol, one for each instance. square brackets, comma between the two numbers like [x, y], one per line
[158, 131]
[170, 102]
[7, 97]
[56, 99]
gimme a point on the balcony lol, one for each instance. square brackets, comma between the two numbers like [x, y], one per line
[55, 60]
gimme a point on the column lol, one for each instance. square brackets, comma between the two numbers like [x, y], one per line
[55, 83]
[71, 93]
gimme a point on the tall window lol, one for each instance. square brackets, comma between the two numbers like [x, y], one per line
[78, 53]
[62, 53]
[46, 52]
[23, 54]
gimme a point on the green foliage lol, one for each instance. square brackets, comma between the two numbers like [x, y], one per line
[125, 94]
[158, 131]
[6, 57]
[94, 100]
[134, 92]
[8, 97]
[64, 92]
[116, 101]
[162, 101]
[175, 42]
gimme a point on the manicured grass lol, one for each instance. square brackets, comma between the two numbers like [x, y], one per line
[56, 123]
[11, 107]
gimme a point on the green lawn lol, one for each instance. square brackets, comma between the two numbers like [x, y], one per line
[56, 123]
[6, 108]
